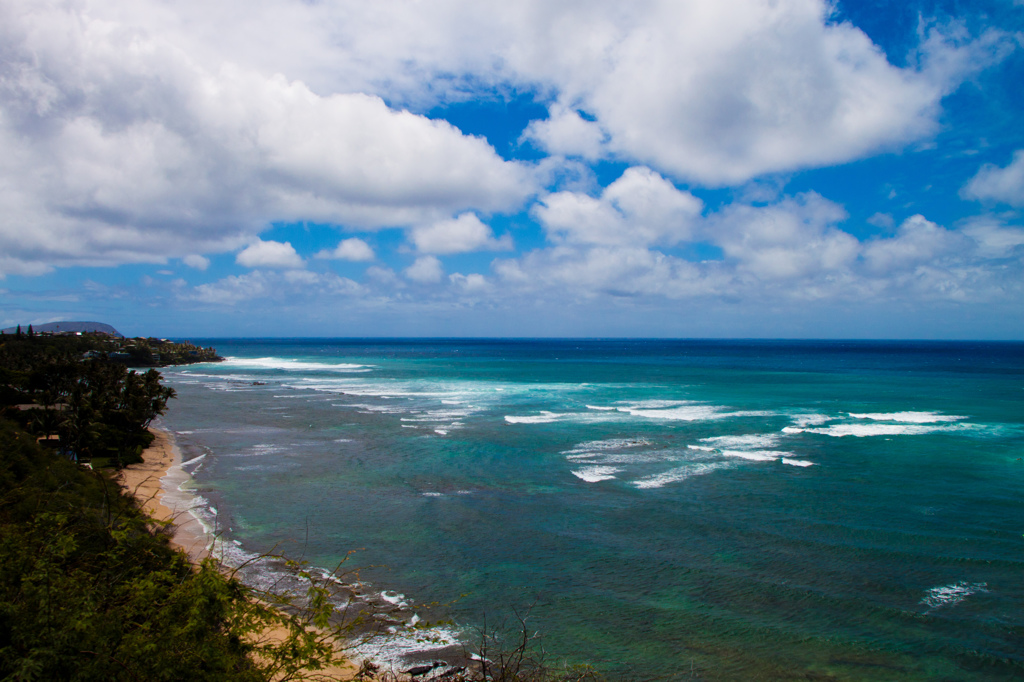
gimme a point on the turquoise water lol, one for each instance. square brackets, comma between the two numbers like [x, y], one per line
[742, 510]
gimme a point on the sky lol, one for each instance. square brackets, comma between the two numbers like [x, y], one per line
[578, 168]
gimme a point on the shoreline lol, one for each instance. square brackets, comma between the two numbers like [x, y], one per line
[155, 482]
[161, 463]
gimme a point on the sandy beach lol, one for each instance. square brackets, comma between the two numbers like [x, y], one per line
[150, 481]
[154, 482]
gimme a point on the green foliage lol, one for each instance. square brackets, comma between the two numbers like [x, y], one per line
[98, 409]
[90, 589]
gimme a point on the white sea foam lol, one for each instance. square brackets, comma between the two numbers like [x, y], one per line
[954, 593]
[630, 458]
[745, 441]
[601, 409]
[193, 460]
[593, 474]
[908, 417]
[432, 494]
[441, 432]
[681, 412]
[810, 419]
[391, 650]
[270, 363]
[609, 444]
[396, 598]
[876, 429]
[543, 418]
[755, 455]
[797, 462]
[677, 474]
[685, 410]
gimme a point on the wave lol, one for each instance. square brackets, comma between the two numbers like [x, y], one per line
[543, 418]
[745, 441]
[797, 462]
[810, 419]
[593, 474]
[954, 593]
[755, 455]
[607, 444]
[908, 417]
[677, 474]
[868, 430]
[291, 365]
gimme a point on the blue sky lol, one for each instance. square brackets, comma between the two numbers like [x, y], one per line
[738, 168]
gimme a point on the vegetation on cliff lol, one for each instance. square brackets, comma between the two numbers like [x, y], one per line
[85, 406]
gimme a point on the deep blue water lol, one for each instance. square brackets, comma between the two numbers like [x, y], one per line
[742, 509]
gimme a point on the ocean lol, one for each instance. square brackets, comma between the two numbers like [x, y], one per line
[659, 508]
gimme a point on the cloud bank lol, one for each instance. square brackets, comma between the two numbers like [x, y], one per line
[153, 132]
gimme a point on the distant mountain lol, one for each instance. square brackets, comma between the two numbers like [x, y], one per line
[69, 327]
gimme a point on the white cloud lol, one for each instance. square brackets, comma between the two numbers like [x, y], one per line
[385, 276]
[999, 184]
[425, 270]
[779, 255]
[567, 133]
[269, 254]
[287, 287]
[470, 284]
[352, 249]
[883, 220]
[708, 92]
[196, 261]
[718, 93]
[640, 208]
[461, 235]
[134, 143]
[917, 241]
[793, 238]
[995, 240]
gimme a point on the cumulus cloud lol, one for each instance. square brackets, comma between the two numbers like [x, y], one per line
[917, 241]
[141, 131]
[196, 261]
[993, 183]
[425, 270]
[719, 93]
[352, 249]
[795, 237]
[793, 248]
[641, 207]
[463, 234]
[994, 239]
[269, 254]
[708, 92]
[121, 146]
[470, 284]
[567, 133]
[288, 286]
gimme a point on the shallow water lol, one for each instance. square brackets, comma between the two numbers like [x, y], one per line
[739, 509]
